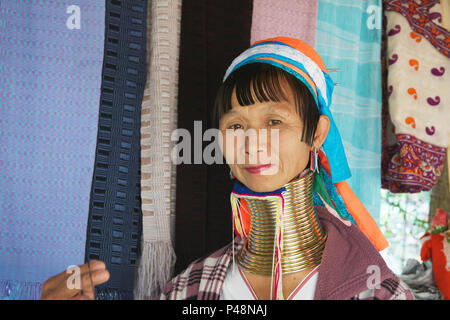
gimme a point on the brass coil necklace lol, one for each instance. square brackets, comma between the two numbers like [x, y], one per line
[303, 236]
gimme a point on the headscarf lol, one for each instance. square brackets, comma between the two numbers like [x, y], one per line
[299, 59]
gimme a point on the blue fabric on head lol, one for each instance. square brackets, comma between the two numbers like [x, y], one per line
[334, 150]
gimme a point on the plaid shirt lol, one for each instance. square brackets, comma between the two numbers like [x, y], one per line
[203, 278]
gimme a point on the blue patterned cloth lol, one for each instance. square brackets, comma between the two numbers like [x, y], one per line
[51, 55]
[115, 215]
[348, 37]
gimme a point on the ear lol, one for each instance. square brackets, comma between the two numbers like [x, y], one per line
[323, 126]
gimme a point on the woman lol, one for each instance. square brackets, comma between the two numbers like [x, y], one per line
[300, 231]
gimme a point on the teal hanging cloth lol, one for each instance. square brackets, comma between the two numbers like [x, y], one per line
[348, 38]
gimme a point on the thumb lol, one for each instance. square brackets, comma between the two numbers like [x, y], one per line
[100, 276]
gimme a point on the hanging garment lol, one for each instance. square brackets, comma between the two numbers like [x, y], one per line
[212, 34]
[159, 119]
[348, 38]
[436, 246]
[295, 19]
[418, 105]
[115, 217]
[425, 19]
[50, 74]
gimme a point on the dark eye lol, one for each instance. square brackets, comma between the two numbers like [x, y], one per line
[274, 122]
[235, 126]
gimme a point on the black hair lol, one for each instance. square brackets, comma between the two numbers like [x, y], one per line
[262, 81]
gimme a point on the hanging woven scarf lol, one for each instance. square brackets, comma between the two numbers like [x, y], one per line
[348, 38]
[159, 117]
[295, 19]
[51, 56]
[115, 218]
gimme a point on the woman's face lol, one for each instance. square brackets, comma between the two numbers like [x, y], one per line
[267, 161]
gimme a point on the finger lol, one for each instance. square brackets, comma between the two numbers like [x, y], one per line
[100, 276]
[84, 275]
[81, 297]
[97, 272]
[88, 284]
[88, 291]
[64, 285]
[78, 296]
[94, 265]
[80, 269]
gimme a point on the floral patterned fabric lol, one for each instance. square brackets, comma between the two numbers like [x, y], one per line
[417, 96]
[414, 166]
[424, 18]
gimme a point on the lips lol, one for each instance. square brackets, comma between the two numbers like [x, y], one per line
[258, 169]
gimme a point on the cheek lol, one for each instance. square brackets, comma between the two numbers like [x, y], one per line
[293, 152]
[229, 147]
[229, 153]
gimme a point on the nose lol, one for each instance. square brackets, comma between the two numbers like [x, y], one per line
[253, 147]
[256, 146]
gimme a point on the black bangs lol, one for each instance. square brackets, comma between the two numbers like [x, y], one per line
[263, 86]
[262, 82]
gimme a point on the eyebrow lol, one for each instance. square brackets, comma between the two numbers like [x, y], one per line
[280, 106]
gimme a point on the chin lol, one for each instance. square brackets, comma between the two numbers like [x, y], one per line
[261, 183]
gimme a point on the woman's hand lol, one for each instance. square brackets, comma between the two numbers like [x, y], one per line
[77, 283]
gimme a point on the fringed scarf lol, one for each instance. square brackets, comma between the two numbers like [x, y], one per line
[159, 119]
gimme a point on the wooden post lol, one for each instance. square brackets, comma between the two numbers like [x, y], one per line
[445, 12]
[448, 160]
